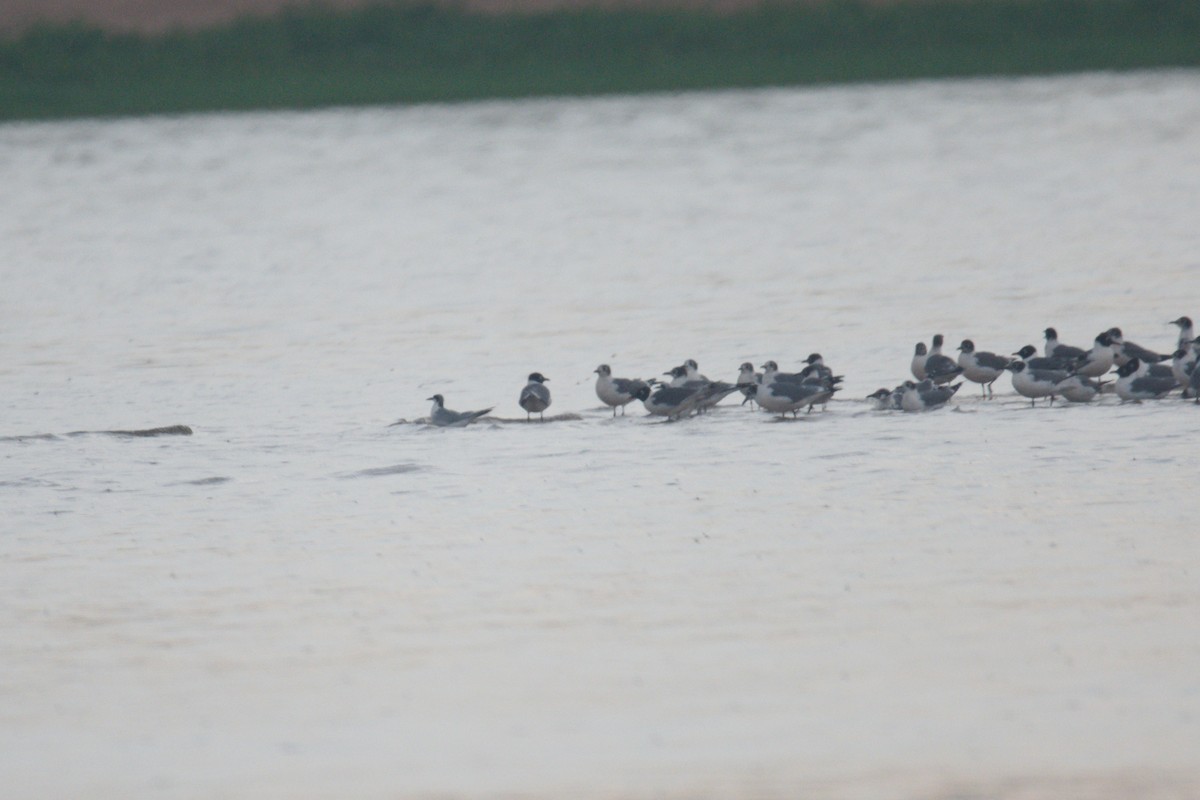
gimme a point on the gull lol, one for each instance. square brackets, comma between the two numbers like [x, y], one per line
[1028, 354]
[445, 418]
[1098, 360]
[1056, 349]
[940, 368]
[693, 370]
[1135, 383]
[535, 397]
[780, 397]
[979, 366]
[1183, 366]
[671, 402]
[1186, 332]
[920, 355]
[1128, 350]
[817, 390]
[926, 396]
[748, 381]
[709, 392]
[1034, 383]
[882, 399]
[614, 392]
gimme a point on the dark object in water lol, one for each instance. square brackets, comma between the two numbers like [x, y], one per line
[170, 430]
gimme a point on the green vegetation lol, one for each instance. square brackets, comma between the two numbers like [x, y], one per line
[417, 53]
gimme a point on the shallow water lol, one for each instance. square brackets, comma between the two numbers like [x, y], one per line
[299, 600]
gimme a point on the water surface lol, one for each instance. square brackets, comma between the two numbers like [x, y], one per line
[300, 601]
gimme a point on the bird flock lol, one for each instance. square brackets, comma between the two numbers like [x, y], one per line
[1075, 374]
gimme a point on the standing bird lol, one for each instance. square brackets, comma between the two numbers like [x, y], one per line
[920, 354]
[445, 418]
[748, 381]
[981, 367]
[1098, 360]
[1035, 383]
[535, 397]
[1186, 332]
[614, 392]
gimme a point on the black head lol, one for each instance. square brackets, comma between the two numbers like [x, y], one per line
[770, 366]
[920, 351]
[603, 369]
[1026, 351]
[691, 364]
[967, 346]
[1129, 367]
[537, 377]
[746, 367]
[1182, 322]
[1104, 340]
[1114, 334]
[937, 340]
[437, 398]
[813, 358]
[908, 385]
[677, 372]
[642, 393]
[879, 394]
[1050, 333]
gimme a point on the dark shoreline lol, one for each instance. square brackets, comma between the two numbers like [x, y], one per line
[389, 54]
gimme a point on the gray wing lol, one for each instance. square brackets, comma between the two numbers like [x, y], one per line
[937, 366]
[535, 390]
[1132, 350]
[1152, 384]
[990, 360]
[797, 392]
[672, 395]
[1068, 353]
[628, 385]
[1049, 375]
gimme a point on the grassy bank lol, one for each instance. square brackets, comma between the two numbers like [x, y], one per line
[407, 53]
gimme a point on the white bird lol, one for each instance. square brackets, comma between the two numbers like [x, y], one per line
[535, 397]
[616, 392]
[920, 354]
[748, 381]
[1098, 360]
[979, 366]
[1186, 332]
[445, 418]
[1035, 383]
[1135, 383]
